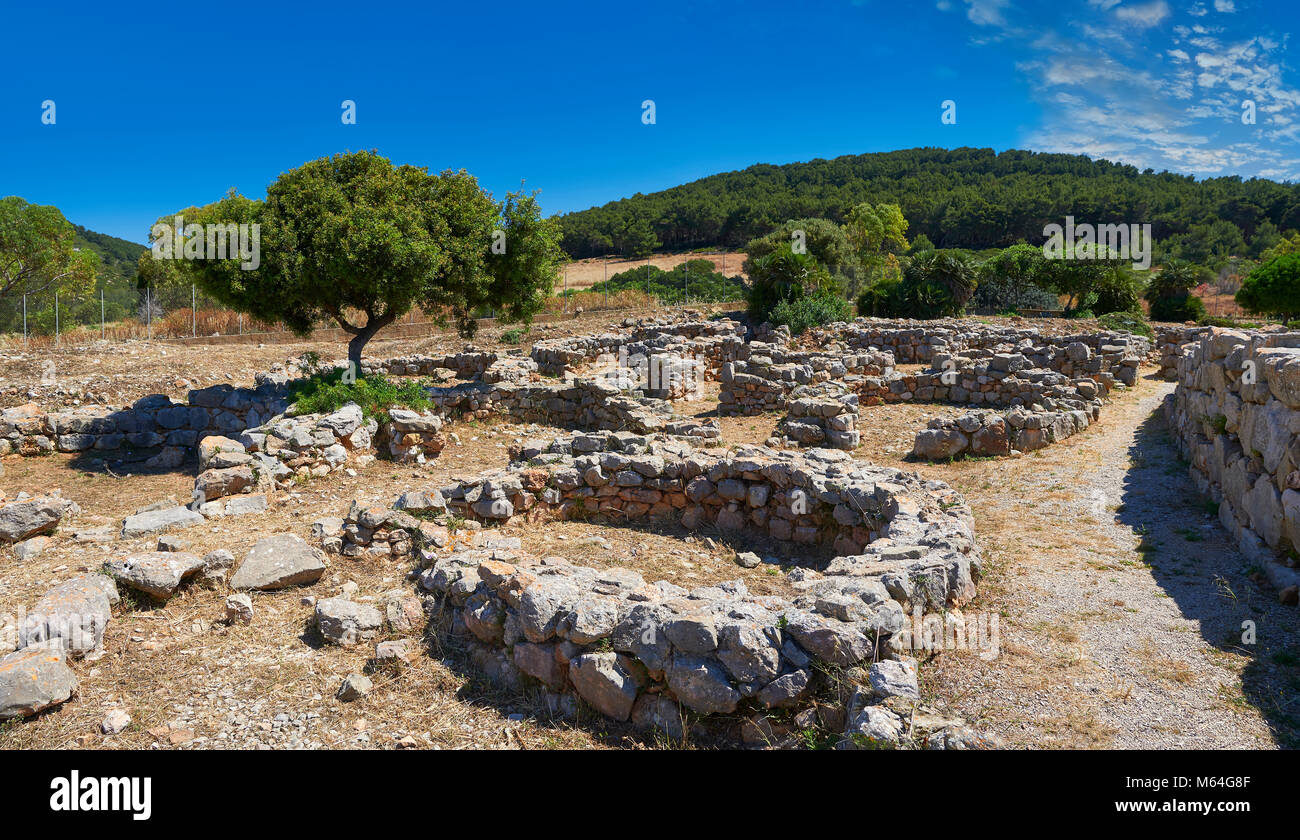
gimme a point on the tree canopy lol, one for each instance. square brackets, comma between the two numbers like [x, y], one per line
[39, 251]
[1273, 288]
[355, 239]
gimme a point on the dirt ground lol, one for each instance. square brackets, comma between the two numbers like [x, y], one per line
[1120, 600]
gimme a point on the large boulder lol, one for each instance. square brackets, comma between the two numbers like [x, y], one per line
[701, 684]
[34, 679]
[156, 573]
[213, 484]
[278, 561]
[936, 444]
[213, 445]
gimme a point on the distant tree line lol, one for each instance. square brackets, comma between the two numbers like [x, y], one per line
[965, 198]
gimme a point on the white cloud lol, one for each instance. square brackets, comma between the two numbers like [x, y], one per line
[986, 12]
[1145, 15]
[1118, 85]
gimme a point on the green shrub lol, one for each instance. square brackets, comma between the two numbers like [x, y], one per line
[935, 284]
[325, 393]
[1177, 307]
[813, 310]
[784, 275]
[696, 280]
[513, 336]
[1129, 322]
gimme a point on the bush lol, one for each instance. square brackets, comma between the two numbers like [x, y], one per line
[698, 279]
[1273, 287]
[1184, 307]
[1001, 294]
[1129, 322]
[1221, 321]
[513, 336]
[934, 285]
[784, 275]
[811, 311]
[325, 393]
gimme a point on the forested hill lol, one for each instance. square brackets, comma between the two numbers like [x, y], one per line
[962, 198]
[117, 257]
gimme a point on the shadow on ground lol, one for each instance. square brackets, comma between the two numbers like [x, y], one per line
[1192, 557]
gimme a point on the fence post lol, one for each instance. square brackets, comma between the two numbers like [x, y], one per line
[194, 313]
[607, 281]
[686, 283]
[101, 314]
[564, 307]
[24, 320]
[241, 323]
[56, 319]
[148, 314]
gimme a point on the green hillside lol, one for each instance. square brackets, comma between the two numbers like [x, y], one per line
[965, 198]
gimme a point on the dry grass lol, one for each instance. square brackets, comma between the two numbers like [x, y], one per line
[586, 273]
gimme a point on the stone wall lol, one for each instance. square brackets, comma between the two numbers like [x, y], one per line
[653, 652]
[713, 341]
[1235, 414]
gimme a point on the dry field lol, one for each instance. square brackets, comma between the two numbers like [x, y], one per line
[586, 273]
[1119, 597]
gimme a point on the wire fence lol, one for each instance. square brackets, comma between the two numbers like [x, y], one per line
[54, 320]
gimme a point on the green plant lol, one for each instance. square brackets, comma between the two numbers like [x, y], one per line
[513, 336]
[1273, 288]
[1129, 322]
[811, 311]
[784, 275]
[327, 392]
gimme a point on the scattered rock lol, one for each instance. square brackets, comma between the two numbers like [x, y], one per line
[279, 561]
[33, 680]
[354, 687]
[156, 573]
[344, 622]
[116, 721]
[239, 609]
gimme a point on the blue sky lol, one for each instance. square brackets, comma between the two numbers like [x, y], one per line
[158, 111]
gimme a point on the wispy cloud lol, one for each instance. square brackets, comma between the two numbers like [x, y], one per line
[1142, 83]
[1144, 15]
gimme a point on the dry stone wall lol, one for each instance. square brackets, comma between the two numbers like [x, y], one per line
[1235, 413]
[656, 653]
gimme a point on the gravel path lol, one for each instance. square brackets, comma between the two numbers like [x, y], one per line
[1122, 602]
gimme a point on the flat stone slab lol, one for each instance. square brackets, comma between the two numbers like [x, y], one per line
[155, 521]
[29, 517]
[32, 680]
[279, 561]
[72, 615]
[156, 573]
[240, 505]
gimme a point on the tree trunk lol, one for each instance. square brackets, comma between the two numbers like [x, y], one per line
[357, 342]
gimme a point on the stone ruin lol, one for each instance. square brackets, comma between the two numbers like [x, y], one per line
[646, 651]
[1235, 413]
